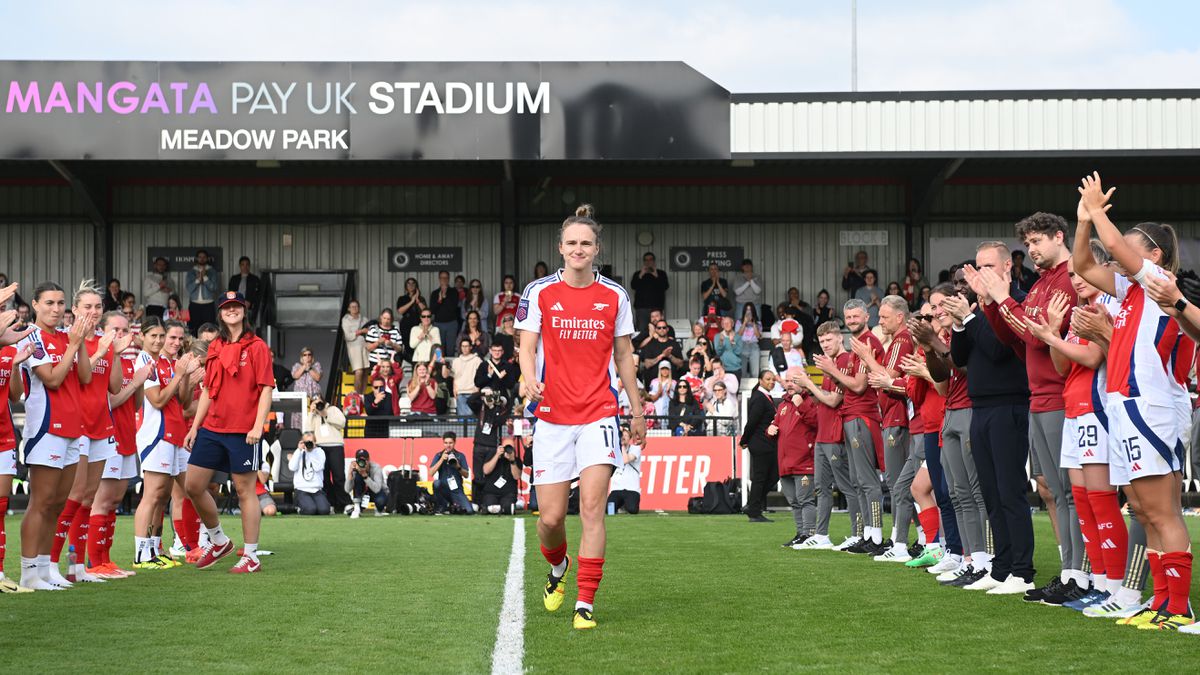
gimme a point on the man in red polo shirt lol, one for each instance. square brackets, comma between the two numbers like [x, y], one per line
[1044, 234]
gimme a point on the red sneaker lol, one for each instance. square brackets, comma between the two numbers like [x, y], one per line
[214, 553]
[246, 565]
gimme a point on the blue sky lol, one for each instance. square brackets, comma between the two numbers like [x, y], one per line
[748, 46]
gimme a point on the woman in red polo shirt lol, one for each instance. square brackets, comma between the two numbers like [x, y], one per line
[227, 431]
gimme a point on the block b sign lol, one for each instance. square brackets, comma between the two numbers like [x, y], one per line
[425, 259]
[863, 238]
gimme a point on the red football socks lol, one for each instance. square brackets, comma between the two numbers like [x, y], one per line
[591, 571]
[929, 524]
[1111, 529]
[78, 535]
[555, 555]
[1159, 577]
[1087, 524]
[1177, 568]
[97, 534]
[112, 535]
[64, 528]
[3, 536]
[191, 525]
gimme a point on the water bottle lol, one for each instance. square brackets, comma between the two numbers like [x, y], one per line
[71, 564]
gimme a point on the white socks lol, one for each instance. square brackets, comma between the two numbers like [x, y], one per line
[1126, 597]
[216, 535]
[981, 561]
[48, 571]
[31, 576]
[251, 551]
[1114, 586]
[156, 545]
[142, 551]
[559, 569]
[875, 534]
[583, 605]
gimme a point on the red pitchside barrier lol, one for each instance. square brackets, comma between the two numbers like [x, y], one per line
[673, 468]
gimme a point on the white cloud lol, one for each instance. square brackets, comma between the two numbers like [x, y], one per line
[744, 46]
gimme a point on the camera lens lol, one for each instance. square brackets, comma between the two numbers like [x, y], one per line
[308, 444]
[320, 405]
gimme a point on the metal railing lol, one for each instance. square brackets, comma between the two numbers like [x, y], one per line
[427, 426]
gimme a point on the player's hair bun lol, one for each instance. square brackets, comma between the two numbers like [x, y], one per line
[585, 211]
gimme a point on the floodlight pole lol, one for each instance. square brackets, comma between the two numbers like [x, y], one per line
[853, 45]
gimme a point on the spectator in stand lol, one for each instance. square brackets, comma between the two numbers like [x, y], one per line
[643, 338]
[764, 464]
[497, 373]
[460, 285]
[475, 333]
[250, 286]
[649, 286]
[625, 489]
[443, 304]
[852, 277]
[283, 376]
[748, 288]
[660, 347]
[720, 376]
[448, 472]
[475, 301]
[379, 404]
[384, 340]
[870, 294]
[728, 346]
[202, 286]
[501, 474]
[307, 375]
[442, 376]
[506, 301]
[893, 288]
[464, 369]
[786, 355]
[365, 483]
[914, 281]
[712, 324]
[749, 330]
[409, 307]
[328, 425]
[926, 292]
[130, 308]
[714, 291]
[354, 404]
[702, 350]
[422, 391]
[823, 312]
[723, 404]
[688, 343]
[423, 337]
[506, 337]
[540, 270]
[353, 329]
[695, 379]
[392, 377]
[794, 302]
[307, 463]
[113, 296]
[686, 415]
[661, 388]
[157, 287]
[175, 310]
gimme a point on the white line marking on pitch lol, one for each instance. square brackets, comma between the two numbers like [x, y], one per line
[509, 653]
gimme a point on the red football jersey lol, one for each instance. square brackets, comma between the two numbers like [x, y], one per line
[576, 328]
[8, 434]
[234, 396]
[829, 420]
[51, 411]
[866, 404]
[93, 396]
[893, 408]
[957, 397]
[124, 416]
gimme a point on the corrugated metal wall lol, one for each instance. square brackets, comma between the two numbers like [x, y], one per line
[33, 253]
[1144, 200]
[997, 124]
[356, 246]
[38, 201]
[807, 256]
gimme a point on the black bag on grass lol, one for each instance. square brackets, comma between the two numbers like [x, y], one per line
[716, 499]
[402, 490]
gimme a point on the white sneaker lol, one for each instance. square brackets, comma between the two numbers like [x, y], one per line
[1114, 610]
[987, 583]
[348, 509]
[1193, 629]
[356, 512]
[897, 553]
[954, 572]
[948, 563]
[817, 542]
[1013, 585]
[847, 543]
[379, 513]
[177, 552]
[55, 577]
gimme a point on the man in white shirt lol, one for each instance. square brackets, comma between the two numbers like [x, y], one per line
[748, 288]
[157, 287]
[307, 464]
[625, 490]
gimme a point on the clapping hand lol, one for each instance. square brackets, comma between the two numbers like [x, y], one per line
[826, 364]
[915, 366]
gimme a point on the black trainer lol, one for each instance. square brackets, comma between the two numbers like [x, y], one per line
[968, 578]
[1054, 587]
[915, 550]
[963, 572]
[882, 547]
[863, 546]
[1070, 592]
[795, 540]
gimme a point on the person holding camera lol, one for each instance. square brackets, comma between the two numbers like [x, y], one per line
[366, 484]
[625, 490]
[308, 470]
[448, 471]
[328, 423]
[491, 411]
[500, 476]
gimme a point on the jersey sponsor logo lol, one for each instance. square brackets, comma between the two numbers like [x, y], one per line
[556, 307]
[522, 309]
[577, 329]
[599, 306]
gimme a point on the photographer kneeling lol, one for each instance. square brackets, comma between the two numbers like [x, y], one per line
[308, 477]
[448, 471]
[491, 410]
[500, 476]
[365, 483]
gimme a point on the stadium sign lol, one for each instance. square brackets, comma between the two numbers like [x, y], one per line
[425, 259]
[362, 111]
[698, 258]
[183, 257]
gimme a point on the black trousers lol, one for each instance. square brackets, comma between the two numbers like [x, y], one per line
[764, 474]
[200, 314]
[625, 499]
[1000, 446]
[479, 456]
[335, 476]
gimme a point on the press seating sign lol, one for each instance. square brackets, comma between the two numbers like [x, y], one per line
[364, 110]
[697, 258]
